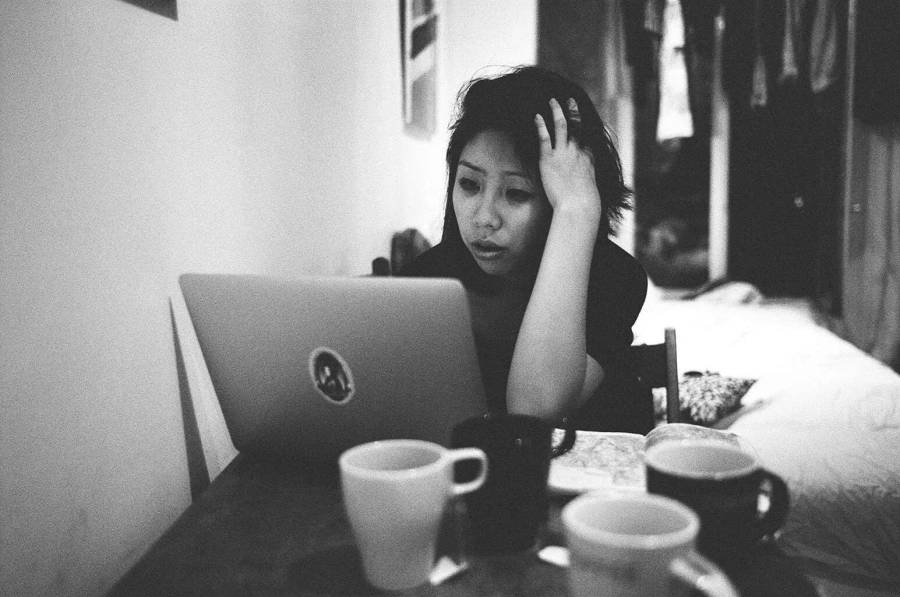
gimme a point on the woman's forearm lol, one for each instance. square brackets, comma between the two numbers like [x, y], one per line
[550, 370]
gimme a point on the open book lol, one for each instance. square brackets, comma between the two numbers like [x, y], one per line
[610, 460]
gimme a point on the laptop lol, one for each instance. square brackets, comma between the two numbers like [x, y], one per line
[306, 368]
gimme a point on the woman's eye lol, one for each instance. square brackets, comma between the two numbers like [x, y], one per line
[519, 195]
[468, 185]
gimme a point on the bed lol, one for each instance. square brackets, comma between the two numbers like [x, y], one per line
[822, 414]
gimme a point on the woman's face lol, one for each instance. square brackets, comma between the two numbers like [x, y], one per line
[502, 215]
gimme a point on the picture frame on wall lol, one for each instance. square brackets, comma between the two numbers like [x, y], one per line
[164, 8]
[418, 30]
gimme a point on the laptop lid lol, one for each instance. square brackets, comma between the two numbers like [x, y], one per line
[308, 367]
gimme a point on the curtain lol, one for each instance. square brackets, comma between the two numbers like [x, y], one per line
[873, 293]
[872, 252]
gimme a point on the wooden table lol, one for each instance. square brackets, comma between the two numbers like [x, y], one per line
[265, 528]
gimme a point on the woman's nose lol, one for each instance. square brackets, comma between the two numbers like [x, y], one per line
[486, 216]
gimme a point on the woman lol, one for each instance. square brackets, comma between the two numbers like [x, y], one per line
[534, 186]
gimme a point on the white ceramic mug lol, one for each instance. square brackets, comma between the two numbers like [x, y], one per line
[395, 492]
[633, 545]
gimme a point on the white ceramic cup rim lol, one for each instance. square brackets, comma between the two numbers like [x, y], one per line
[651, 459]
[346, 459]
[572, 519]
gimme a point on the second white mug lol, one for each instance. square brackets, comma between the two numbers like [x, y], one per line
[637, 545]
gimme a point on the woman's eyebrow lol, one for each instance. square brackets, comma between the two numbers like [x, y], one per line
[472, 166]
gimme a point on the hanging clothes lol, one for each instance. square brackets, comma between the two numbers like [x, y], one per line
[792, 42]
[751, 52]
[699, 18]
[675, 120]
[759, 96]
[643, 30]
[824, 47]
[786, 123]
[793, 46]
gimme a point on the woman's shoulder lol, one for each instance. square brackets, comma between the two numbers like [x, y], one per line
[618, 272]
[616, 293]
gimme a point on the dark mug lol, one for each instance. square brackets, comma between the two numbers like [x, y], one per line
[506, 513]
[739, 502]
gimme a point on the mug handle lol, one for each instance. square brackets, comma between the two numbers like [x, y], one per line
[470, 454]
[568, 439]
[699, 574]
[773, 518]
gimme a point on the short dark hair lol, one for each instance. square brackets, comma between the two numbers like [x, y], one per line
[508, 103]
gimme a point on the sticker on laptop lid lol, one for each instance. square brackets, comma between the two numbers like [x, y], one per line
[331, 375]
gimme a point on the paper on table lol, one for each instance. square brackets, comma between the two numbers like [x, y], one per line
[600, 460]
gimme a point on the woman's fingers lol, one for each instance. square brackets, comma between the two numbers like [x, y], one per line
[561, 124]
[566, 168]
[560, 127]
[543, 134]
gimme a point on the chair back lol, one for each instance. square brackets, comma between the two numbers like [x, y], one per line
[381, 267]
[405, 247]
[657, 367]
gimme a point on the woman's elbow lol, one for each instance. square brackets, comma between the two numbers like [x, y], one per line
[546, 400]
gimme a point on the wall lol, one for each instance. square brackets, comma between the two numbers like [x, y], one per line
[255, 137]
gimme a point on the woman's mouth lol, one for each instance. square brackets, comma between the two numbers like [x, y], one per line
[486, 250]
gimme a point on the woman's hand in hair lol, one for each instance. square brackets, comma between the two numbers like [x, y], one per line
[567, 169]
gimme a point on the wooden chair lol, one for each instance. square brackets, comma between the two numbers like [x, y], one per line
[657, 367]
[381, 267]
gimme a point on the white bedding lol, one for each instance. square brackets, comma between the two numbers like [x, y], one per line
[823, 414]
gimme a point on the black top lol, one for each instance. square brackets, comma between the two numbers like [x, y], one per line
[616, 291]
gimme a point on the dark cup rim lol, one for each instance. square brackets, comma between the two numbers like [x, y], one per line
[737, 473]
